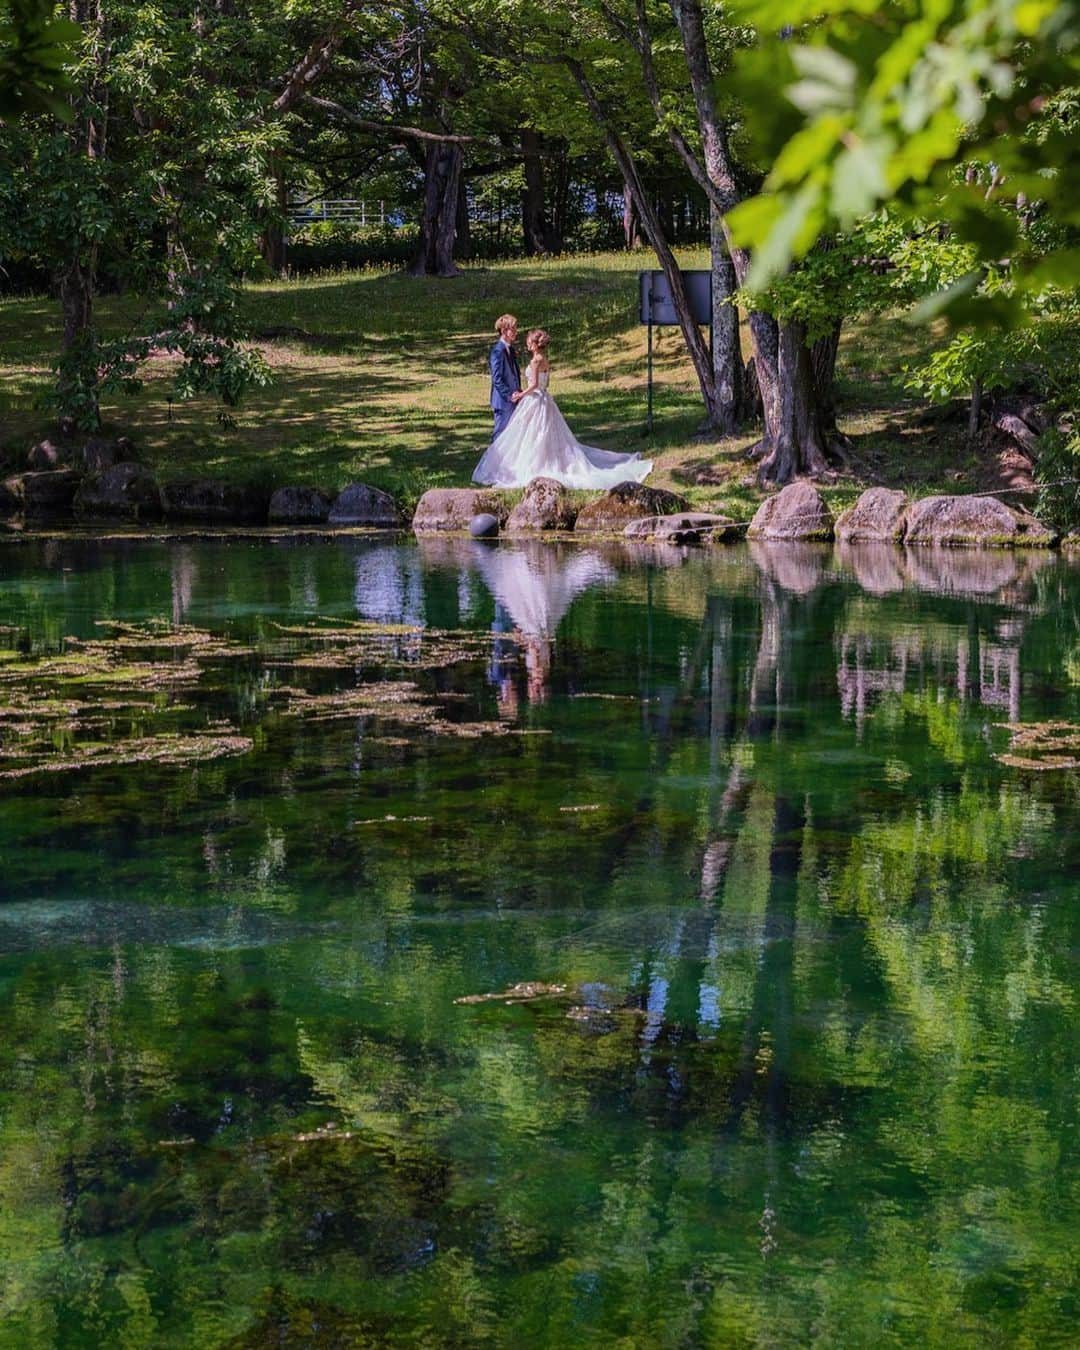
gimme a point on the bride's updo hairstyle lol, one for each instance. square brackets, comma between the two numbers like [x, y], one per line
[538, 339]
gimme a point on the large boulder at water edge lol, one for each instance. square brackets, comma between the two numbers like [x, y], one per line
[359, 504]
[545, 505]
[974, 522]
[796, 512]
[298, 506]
[683, 527]
[50, 493]
[454, 508]
[123, 492]
[611, 513]
[878, 516]
[211, 502]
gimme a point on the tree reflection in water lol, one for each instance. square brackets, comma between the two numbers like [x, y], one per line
[813, 1077]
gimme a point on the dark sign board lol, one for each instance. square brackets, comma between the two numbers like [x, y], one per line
[656, 303]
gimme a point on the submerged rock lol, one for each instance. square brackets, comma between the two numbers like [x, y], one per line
[123, 492]
[683, 527]
[524, 992]
[298, 506]
[359, 504]
[973, 522]
[454, 508]
[210, 501]
[878, 516]
[545, 505]
[796, 512]
[612, 512]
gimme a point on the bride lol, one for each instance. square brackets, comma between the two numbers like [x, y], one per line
[537, 443]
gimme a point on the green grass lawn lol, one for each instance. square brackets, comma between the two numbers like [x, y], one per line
[382, 377]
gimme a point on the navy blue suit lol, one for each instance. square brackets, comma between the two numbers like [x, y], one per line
[505, 380]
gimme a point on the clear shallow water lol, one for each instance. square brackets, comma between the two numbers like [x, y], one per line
[813, 1078]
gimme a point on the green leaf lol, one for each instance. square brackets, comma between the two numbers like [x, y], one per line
[858, 178]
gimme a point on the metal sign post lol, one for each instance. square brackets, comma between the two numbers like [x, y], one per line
[656, 306]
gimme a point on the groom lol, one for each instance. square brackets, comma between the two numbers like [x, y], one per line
[505, 375]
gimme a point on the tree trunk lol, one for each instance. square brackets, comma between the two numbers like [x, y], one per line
[438, 216]
[533, 218]
[793, 429]
[560, 200]
[624, 160]
[77, 382]
[630, 223]
[462, 226]
[798, 443]
[727, 362]
[272, 242]
[823, 359]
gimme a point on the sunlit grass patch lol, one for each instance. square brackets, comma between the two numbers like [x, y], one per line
[383, 377]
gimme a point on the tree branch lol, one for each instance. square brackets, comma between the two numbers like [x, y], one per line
[365, 124]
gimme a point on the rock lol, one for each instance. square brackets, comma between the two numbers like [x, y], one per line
[122, 492]
[877, 516]
[484, 526]
[974, 522]
[299, 506]
[545, 505]
[209, 501]
[50, 492]
[454, 508]
[683, 527]
[359, 504]
[612, 512]
[1017, 430]
[48, 454]
[796, 512]
[98, 453]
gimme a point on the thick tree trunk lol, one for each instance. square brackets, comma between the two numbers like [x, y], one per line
[798, 443]
[533, 216]
[438, 217]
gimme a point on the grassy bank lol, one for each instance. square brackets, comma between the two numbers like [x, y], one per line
[383, 377]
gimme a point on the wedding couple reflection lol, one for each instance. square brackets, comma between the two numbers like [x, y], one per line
[533, 584]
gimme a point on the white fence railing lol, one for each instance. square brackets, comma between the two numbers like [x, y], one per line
[343, 208]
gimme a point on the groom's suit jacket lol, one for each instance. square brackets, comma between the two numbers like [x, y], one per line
[505, 377]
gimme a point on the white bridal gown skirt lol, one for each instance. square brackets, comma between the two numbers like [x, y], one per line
[537, 443]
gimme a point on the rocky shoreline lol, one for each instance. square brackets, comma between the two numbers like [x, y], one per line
[99, 482]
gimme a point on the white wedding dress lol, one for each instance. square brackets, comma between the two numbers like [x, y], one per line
[537, 443]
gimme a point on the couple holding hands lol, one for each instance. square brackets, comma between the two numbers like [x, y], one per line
[531, 438]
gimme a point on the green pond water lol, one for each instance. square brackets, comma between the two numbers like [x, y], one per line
[806, 1072]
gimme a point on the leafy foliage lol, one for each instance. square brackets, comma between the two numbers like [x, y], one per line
[34, 48]
[888, 102]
